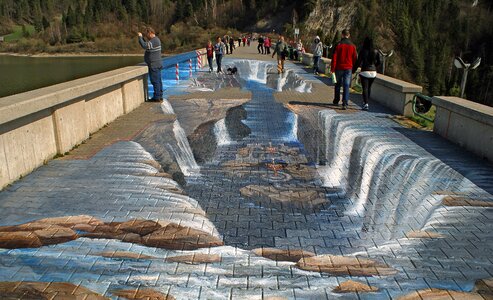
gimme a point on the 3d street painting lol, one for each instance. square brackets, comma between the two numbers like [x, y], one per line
[250, 198]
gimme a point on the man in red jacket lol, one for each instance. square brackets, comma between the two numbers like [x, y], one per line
[344, 58]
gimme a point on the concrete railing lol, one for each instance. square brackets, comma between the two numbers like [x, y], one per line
[37, 125]
[323, 63]
[466, 123]
[388, 91]
[394, 94]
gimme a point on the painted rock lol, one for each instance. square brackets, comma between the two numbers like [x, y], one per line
[293, 255]
[344, 265]
[351, 286]
[195, 259]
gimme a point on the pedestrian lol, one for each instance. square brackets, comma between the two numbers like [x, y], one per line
[152, 58]
[226, 42]
[260, 46]
[210, 55]
[281, 50]
[267, 45]
[343, 60]
[317, 50]
[249, 41]
[368, 60]
[219, 51]
[244, 41]
[299, 50]
[231, 45]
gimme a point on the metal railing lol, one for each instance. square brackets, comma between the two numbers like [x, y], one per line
[421, 105]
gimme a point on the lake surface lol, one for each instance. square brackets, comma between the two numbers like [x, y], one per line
[21, 74]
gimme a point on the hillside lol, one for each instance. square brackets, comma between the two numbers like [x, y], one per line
[425, 35]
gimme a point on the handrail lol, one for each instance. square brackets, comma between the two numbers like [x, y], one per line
[421, 105]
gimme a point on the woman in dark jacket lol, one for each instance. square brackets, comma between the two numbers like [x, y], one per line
[368, 60]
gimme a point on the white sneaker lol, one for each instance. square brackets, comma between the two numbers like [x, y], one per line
[365, 107]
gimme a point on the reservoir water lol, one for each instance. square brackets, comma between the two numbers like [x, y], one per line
[21, 74]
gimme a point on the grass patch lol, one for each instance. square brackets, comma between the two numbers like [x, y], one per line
[18, 33]
[423, 122]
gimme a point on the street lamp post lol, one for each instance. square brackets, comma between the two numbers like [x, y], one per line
[460, 64]
[385, 56]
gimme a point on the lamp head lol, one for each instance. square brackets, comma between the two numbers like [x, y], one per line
[476, 63]
[459, 63]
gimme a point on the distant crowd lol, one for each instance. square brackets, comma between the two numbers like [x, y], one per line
[345, 59]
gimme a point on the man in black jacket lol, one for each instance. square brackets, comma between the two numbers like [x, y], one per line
[260, 47]
[152, 58]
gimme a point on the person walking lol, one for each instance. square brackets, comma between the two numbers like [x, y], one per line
[231, 45]
[267, 45]
[226, 42]
[299, 50]
[260, 46]
[343, 60]
[210, 55]
[219, 51]
[152, 58]
[281, 50]
[317, 50]
[368, 60]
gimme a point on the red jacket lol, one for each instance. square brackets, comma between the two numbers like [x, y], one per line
[344, 57]
[210, 50]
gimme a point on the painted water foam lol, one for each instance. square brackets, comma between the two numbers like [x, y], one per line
[221, 133]
[184, 154]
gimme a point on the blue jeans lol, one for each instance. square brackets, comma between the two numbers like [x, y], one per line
[343, 79]
[209, 60]
[219, 58]
[155, 77]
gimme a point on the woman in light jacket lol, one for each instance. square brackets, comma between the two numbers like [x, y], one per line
[317, 50]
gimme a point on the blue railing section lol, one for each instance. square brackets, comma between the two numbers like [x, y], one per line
[168, 73]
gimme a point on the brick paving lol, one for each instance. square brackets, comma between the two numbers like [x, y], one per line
[382, 187]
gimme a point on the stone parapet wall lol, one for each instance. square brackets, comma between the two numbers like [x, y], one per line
[37, 125]
[388, 91]
[466, 123]
[395, 94]
[323, 63]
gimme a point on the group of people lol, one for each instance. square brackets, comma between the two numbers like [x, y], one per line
[345, 61]
[218, 50]
[264, 45]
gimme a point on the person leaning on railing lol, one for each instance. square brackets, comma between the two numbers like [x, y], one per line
[152, 58]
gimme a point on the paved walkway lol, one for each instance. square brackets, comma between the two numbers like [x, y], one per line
[307, 203]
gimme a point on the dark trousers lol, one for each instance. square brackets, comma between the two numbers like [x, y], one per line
[366, 86]
[267, 50]
[219, 58]
[231, 47]
[209, 60]
[316, 59]
[155, 77]
[260, 48]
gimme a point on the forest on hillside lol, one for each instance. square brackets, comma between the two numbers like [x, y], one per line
[425, 35]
